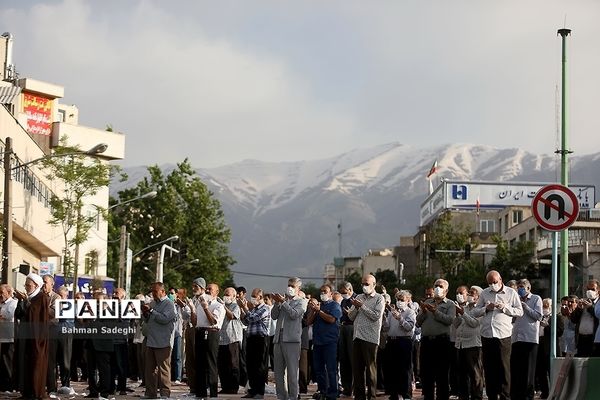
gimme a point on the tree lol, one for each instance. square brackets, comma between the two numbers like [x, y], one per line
[445, 235]
[79, 177]
[355, 279]
[184, 207]
[514, 262]
[386, 278]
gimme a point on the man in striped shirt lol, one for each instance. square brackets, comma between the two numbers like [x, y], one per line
[367, 314]
[257, 316]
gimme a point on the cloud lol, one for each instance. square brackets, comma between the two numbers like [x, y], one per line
[221, 82]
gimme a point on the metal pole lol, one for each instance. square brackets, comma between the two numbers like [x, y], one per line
[555, 298]
[7, 210]
[564, 168]
[122, 255]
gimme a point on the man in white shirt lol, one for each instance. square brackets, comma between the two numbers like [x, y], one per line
[497, 305]
[208, 320]
[7, 332]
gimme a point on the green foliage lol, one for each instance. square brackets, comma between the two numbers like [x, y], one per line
[447, 236]
[516, 262]
[387, 278]
[311, 289]
[355, 280]
[184, 207]
[80, 177]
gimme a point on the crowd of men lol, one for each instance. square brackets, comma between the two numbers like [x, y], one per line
[351, 344]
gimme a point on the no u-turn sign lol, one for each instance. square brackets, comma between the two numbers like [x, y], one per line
[555, 207]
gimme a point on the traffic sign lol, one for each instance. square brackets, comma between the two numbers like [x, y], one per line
[555, 207]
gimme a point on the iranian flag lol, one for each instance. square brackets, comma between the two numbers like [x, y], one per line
[433, 169]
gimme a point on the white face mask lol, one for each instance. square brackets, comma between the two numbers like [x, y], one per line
[495, 286]
[367, 289]
[546, 311]
[470, 299]
[324, 297]
[401, 305]
[207, 297]
[291, 292]
[345, 296]
[438, 292]
[460, 298]
[254, 300]
[227, 300]
[591, 294]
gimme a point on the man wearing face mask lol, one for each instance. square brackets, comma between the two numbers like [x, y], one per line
[288, 310]
[208, 319]
[437, 314]
[345, 342]
[257, 317]
[229, 344]
[401, 320]
[189, 314]
[468, 344]
[585, 320]
[367, 313]
[497, 306]
[525, 339]
[324, 318]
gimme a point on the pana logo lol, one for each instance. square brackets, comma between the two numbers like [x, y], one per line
[459, 192]
[102, 309]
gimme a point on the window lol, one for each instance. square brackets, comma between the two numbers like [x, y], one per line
[517, 216]
[532, 234]
[522, 237]
[506, 223]
[61, 115]
[487, 225]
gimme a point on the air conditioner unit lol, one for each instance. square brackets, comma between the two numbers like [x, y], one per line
[594, 213]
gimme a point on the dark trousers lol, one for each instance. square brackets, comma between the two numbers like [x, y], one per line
[64, 351]
[207, 349]
[140, 355]
[78, 360]
[364, 365]
[256, 357]
[345, 357]
[176, 367]
[542, 366]
[52, 362]
[435, 363]
[399, 373]
[7, 351]
[453, 368]
[229, 370]
[325, 367]
[522, 369]
[496, 367]
[585, 345]
[99, 360]
[416, 364]
[119, 367]
[242, 363]
[470, 374]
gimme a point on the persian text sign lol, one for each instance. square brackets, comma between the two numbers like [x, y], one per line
[39, 114]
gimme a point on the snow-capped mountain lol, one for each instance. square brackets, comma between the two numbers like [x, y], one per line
[284, 216]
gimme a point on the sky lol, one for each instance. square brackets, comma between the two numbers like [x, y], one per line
[218, 82]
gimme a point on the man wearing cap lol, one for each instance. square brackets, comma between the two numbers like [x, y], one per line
[207, 318]
[32, 310]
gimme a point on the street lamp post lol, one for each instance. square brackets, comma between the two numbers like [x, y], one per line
[7, 206]
[172, 238]
[124, 245]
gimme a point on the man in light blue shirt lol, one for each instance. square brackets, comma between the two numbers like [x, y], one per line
[525, 339]
[160, 316]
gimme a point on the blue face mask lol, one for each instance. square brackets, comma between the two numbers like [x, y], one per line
[522, 292]
[171, 296]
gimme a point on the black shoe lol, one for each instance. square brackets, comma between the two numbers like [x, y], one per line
[91, 396]
[248, 396]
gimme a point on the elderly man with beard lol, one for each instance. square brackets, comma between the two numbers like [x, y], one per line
[435, 318]
[32, 311]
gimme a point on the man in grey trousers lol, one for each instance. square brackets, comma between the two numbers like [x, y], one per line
[288, 310]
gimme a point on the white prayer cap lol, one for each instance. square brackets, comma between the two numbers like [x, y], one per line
[36, 279]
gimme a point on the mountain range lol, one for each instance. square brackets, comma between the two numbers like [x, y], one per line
[284, 216]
